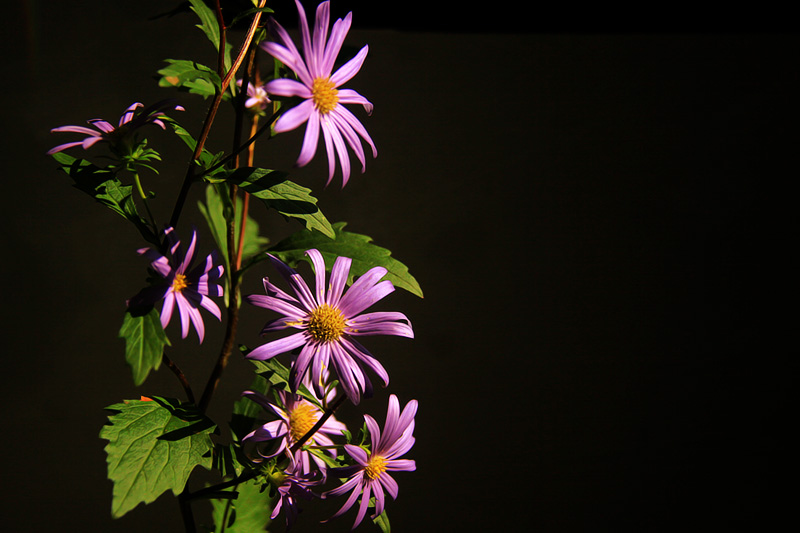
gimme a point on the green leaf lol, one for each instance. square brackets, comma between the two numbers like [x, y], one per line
[191, 76]
[250, 511]
[278, 376]
[286, 197]
[210, 26]
[102, 185]
[359, 248]
[153, 446]
[206, 159]
[214, 211]
[144, 342]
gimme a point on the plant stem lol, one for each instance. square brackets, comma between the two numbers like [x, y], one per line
[324, 418]
[212, 112]
[180, 375]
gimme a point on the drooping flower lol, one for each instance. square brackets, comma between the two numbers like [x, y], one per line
[182, 285]
[296, 418]
[328, 320]
[370, 475]
[257, 98]
[130, 121]
[291, 485]
[322, 107]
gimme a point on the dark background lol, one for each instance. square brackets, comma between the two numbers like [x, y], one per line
[597, 211]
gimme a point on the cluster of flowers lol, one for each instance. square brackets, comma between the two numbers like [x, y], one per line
[326, 321]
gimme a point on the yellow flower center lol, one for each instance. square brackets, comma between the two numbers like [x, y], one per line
[301, 420]
[326, 323]
[325, 95]
[375, 466]
[179, 283]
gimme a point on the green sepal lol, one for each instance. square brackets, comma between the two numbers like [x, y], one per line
[153, 446]
[144, 342]
[190, 76]
[359, 248]
[286, 197]
[103, 185]
[382, 520]
[249, 511]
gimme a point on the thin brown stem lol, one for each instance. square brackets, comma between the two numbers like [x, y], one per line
[180, 375]
[324, 418]
[212, 113]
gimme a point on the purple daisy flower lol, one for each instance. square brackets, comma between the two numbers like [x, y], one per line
[187, 287]
[297, 417]
[369, 477]
[128, 122]
[328, 321]
[322, 107]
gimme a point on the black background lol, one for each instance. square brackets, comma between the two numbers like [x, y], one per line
[597, 208]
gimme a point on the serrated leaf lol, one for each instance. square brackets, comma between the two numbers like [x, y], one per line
[278, 376]
[103, 185]
[286, 197]
[249, 511]
[359, 248]
[153, 446]
[144, 342]
[191, 76]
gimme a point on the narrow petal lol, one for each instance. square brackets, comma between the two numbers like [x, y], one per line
[380, 498]
[338, 279]
[380, 323]
[166, 309]
[358, 453]
[310, 140]
[363, 356]
[350, 69]
[362, 508]
[287, 87]
[389, 484]
[300, 366]
[319, 273]
[334, 46]
[361, 300]
[277, 347]
[294, 117]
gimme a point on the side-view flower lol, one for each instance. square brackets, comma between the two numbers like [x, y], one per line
[181, 285]
[129, 122]
[323, 98]
[328, 320]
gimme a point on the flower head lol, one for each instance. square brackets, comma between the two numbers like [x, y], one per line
[257, 99]
[130, 121]
[320, 88]
[328, 322]
[183, 285]
[370, 475]
[296, 418]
